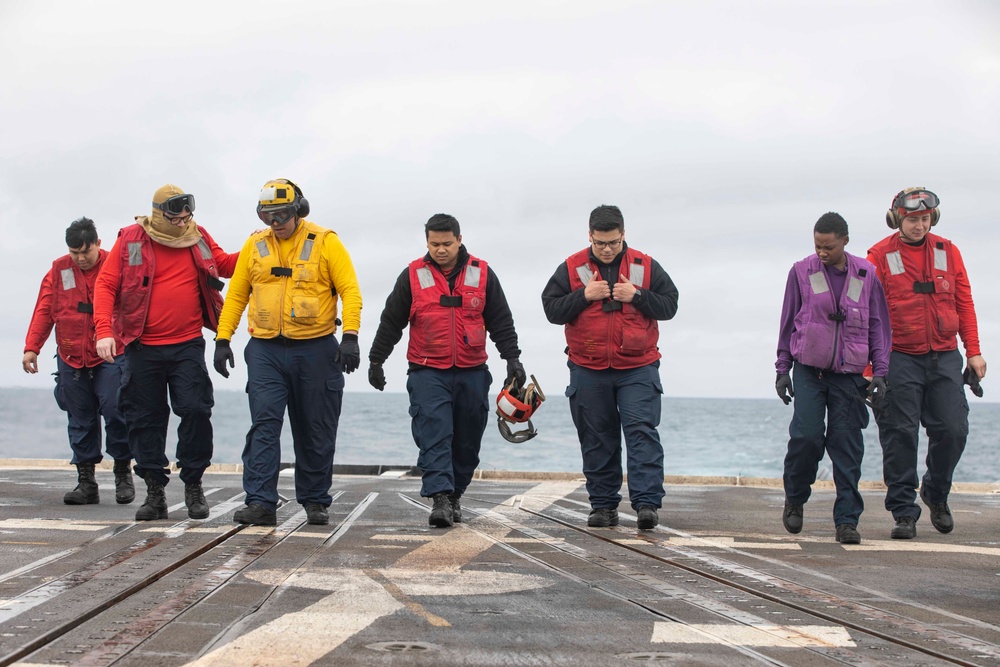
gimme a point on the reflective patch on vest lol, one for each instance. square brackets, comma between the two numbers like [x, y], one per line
[854, 289]
[425, 277]
[818, 282]
[940, 259]
[636, 274]
[895, 261]
[205, 252]
[307, 249]
[472, 276]
[68, 278]
[262, 249]
[584, 273]
[135, 253]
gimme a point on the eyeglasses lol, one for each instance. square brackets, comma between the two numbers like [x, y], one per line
[176, 205]
[276, 216]
[600, 245]
[917, 200]
[178, 218]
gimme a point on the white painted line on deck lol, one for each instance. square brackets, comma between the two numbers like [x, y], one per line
[394, 474]
[50, 524]
[791, 636]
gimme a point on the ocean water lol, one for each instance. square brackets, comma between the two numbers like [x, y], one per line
[701, 436]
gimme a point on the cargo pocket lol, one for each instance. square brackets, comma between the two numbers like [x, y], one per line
[58, 393]
[335, 383]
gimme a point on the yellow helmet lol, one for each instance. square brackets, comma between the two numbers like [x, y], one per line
[281, 196]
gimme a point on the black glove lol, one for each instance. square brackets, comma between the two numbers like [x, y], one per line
[970, 378]
[376, 376]
[783, 385]
[877, 389]
[349, 354]
[515, 373]
[223, 353]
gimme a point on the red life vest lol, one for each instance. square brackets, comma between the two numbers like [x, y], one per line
[73, 311]
[600, 339]
[138, 268]
[921, 305]
[447, 328]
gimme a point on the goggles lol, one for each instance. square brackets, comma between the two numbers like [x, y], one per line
[279, 215]
[175, 205]
[918, 200]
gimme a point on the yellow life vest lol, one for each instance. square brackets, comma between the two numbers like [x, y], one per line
[292, 298]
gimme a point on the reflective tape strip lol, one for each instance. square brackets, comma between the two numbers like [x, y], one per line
[636, 274]
[206, 253]
[854, 289]
[584, 273]
[940, 259]
[307, 249]
[135, 253]
[68, 278]
[472, 276]
[425, 277]
[819, 284]
[895, 261]
[262, 249]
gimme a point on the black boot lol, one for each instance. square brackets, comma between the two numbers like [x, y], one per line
[194, 498]
[85, 492]
[155, 505]
[124, 487]
[456, 507]
[442, 516]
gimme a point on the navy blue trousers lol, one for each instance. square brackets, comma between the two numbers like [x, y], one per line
[86, 395]
[448, 410]
[150, 372]
[604, 404]
[923, 389]
[302, 376]
[830, 415]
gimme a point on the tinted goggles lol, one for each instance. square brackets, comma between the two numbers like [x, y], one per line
[279, 215]
[176, 205]
[919, 200]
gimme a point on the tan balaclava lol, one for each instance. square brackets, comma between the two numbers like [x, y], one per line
[162, 230]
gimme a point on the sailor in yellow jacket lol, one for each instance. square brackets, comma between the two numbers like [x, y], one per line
[292, 275]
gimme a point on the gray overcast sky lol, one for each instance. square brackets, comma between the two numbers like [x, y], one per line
[722, 129]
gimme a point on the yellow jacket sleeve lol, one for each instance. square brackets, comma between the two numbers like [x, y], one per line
[238, 293]
[344, 280]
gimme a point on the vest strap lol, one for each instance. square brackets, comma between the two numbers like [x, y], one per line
[281, 272]
[924, 288]
[451, 301]
[84, 307]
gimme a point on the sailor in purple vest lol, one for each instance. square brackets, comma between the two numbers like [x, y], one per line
[834, 321]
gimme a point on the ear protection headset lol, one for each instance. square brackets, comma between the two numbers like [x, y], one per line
[301, 203]
[892, 217]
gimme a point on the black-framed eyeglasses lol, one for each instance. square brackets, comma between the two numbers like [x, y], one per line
[600, 245]
[175, 205]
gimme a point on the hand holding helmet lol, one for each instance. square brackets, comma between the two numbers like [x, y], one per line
[515, 373]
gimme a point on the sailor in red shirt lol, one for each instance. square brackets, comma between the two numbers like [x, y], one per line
[930, 301]
[159, 286]
[86, 385]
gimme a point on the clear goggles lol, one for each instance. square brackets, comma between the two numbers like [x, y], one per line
[176, 205]
[918, 200]
[276, 215]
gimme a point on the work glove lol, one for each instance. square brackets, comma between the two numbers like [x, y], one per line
[349, 354]
[515, 373]
[877, 389]
[223, 353]
[376, 376]
[970, 378]
[783, 385]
